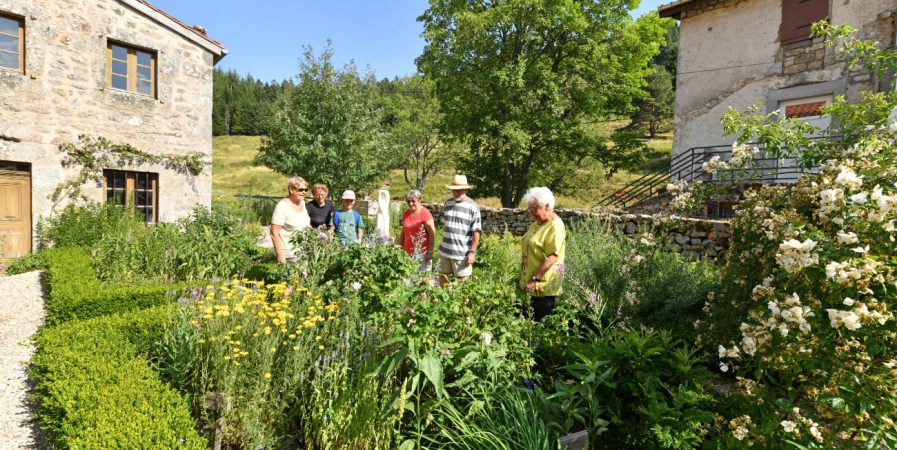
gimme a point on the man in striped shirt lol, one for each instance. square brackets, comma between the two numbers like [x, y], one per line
[461, 233]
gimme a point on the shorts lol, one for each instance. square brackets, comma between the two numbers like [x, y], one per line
[459, 268]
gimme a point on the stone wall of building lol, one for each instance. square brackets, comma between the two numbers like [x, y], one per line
[694, 238]
[63, 93]
[730, 55]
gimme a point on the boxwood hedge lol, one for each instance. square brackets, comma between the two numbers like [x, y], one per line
[94, 390]
[75, 292]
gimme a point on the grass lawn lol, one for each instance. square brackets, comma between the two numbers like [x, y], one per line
[233, 173]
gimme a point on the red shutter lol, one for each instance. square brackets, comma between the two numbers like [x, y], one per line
[798, 15]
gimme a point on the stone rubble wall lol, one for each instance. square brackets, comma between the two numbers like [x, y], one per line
[703, 239]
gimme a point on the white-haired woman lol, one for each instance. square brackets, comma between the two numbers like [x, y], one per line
[542, 249]
[290, 216]
[418, 230]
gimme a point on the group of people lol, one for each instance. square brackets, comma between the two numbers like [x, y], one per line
[542, 248]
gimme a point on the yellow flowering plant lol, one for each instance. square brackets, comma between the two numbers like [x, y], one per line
[252, 346]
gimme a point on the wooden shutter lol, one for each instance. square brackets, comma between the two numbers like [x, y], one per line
[798, 15]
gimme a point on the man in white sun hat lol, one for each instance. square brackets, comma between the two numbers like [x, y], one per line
[462, 226]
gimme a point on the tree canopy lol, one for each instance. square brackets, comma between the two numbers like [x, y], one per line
[411, 120]
[517, 79]
[328, 128]
[241, 104]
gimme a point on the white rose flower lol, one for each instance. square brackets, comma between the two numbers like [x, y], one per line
[714, 165]
[859, 199]
[851, 320]
[876, 193]
[749, 344]
[847, 238]
[849, 178]
[887, 203]
[789, 426]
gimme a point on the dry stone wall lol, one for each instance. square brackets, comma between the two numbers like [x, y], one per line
[694, 238]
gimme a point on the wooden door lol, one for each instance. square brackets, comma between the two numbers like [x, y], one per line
[15, 212]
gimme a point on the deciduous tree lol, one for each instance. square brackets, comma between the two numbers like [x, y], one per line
[412, 119]
[328, 128]
[518, 78]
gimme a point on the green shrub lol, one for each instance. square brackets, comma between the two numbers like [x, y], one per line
[498, 258]
[805, 313]
[636, 389]
[636, 279]
[27, 263]
[208, 244]
[75, 292]
[84, 225]
[381, 270]
[93, 391]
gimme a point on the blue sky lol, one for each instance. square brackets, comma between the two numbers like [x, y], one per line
[266, 37]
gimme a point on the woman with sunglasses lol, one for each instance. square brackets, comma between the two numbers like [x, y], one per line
[290, 216]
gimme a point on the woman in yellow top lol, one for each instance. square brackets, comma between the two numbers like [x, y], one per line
[543, 250]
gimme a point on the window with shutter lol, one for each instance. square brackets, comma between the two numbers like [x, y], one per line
[798, 15]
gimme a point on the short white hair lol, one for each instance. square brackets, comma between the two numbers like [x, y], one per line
[540, 196]
[414, 193]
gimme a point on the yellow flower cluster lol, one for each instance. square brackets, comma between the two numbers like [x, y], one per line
[268, 316]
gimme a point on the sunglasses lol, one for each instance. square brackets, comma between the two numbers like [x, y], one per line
[301, 190]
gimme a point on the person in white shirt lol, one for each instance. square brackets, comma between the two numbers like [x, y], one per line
[290, 217]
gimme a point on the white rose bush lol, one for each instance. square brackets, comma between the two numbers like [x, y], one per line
[805, 318]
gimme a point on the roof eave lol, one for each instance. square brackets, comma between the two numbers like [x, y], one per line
[676, 8]
[216, 49]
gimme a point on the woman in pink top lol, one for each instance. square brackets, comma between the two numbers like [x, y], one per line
[418, 230]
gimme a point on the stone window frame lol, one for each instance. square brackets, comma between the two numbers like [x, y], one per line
[20, 38]
[125, 185]
[131, 64]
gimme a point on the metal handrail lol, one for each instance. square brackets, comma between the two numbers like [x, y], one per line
[688, 165]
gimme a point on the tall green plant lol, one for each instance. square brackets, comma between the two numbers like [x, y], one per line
[518, 79]
[328, 128]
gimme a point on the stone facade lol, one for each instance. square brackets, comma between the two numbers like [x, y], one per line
[63, 93]
[694, 238]
[730, 55]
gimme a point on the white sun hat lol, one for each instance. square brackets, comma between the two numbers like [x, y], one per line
[459, 182]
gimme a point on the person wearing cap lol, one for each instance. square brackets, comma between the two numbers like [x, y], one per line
[348, 223]
[461, 233]
[320, 208]
[290, 217]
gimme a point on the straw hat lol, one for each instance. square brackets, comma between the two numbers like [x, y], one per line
[459, 182]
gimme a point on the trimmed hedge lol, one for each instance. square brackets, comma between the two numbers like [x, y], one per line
[94, 391]
[75, 292]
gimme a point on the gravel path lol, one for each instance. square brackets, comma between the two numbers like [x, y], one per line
[21, 311]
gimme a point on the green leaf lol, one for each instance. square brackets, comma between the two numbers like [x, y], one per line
[432, 368]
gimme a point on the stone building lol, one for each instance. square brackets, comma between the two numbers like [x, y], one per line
[740, 53]
[120, 69]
